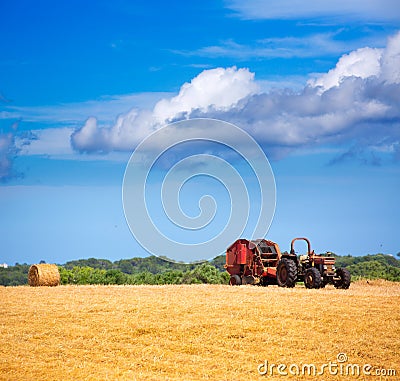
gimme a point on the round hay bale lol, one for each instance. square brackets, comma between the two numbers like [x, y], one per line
[43, 275]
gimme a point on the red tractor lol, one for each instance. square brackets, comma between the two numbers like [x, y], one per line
[261, 262]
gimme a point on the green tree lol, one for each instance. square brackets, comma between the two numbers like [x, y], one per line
[114, 276]
[66, 276]
[14, 275]
[170, 277]
[219, 262]
[144, 277]
[204, 273]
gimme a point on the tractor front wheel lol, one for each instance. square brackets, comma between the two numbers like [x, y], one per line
[343, 279]
[286, 273]
[235, 280]
[312, 278]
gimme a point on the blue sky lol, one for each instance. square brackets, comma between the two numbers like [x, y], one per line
[317, 85]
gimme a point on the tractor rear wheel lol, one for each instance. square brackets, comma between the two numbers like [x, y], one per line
[343, 280]
[286, 273]
[312, 278]
[235, 280]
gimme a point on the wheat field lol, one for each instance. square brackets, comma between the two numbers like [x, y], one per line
[197, 332]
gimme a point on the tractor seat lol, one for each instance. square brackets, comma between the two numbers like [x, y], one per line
[303, 258]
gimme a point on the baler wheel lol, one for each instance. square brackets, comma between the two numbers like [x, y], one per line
[286, 273]
[235, 280]
[312, 278]
[344, 279]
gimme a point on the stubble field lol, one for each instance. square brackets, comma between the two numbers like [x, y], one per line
[199, 332]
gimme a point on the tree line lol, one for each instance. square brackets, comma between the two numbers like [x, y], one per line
[204, 273]
[158, 271]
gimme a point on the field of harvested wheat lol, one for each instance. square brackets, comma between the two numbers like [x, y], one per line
[200, 332]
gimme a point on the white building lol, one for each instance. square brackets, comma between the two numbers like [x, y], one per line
[4, 265]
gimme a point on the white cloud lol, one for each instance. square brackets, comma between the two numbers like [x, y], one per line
[55, 143]
[391, 60]
[212, 90]
[320, 44]
[61, 120]
[343, 10]
[49, 141]
[365, 63]
[218, 88]
[354, 103]
[362, 63]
